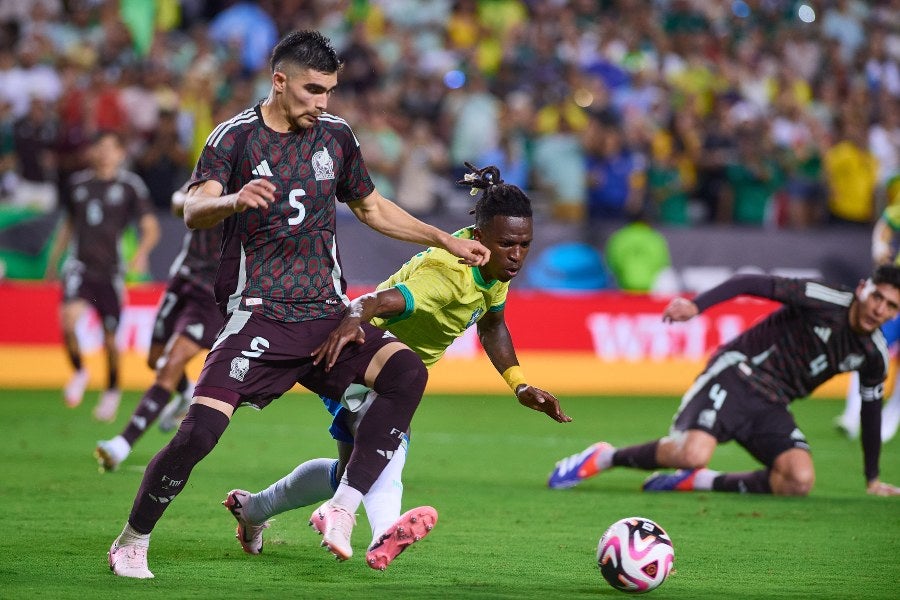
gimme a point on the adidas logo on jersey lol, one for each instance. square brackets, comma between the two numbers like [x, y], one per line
[823, 332]
[262, 169]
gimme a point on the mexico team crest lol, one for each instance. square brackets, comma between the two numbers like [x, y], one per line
[239, 368]
[323, 165]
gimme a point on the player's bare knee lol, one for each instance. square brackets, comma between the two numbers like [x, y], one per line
[681, 450]
[792, 487]
[693, 456]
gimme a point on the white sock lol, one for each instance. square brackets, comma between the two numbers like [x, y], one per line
[386, 494]
[854, 402]
[347, 497]
[604, 459]
[131, 537]
[703, 480]
[308, 483]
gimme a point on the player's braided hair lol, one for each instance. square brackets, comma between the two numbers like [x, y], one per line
[497, 197]
[889, 274]
[305, 49]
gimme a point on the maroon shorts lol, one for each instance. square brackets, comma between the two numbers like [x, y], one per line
[189, 310]
[255, 359]
[104, 295]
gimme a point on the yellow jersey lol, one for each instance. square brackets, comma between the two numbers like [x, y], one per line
[443, 299]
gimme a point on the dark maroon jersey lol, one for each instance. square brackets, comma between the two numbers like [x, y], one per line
[808, 341]
[283, 262]
[99, 212]
[198, 260]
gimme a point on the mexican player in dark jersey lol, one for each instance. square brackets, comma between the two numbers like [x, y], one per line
[99, 204]
[749, 383]
[273, 174]
[187, 322]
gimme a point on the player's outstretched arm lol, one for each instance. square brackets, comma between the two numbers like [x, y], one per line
[880, 488]
[384, 303]
[497, 343]
[205, 206]
[387, 218]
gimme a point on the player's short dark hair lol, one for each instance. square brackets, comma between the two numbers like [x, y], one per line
[497, 197]
[889, 274]
[102, 134]
[306, 49]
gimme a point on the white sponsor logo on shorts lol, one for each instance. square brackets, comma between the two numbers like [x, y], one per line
[239, 368]
[707, 418]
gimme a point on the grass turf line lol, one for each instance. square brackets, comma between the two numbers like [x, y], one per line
[482, 462]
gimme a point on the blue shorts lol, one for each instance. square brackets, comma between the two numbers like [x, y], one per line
[891, 330]
[338, 429]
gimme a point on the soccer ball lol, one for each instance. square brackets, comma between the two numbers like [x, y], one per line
[635, 555]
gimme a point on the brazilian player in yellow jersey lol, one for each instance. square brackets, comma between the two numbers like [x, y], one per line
[426, 304]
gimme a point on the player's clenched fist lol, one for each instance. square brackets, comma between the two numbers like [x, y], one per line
[258, 193]
[680, 309]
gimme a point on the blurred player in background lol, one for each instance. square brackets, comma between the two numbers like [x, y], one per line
[273, 174]
[744, 393]
[99, 204]
[427, 304]
[884, 251]
[187, 322]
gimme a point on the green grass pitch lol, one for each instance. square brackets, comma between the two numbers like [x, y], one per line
[482, 462]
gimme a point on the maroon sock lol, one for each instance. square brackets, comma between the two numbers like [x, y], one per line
[637, 457]
[399, 387]
[145, 414]
[182, 384]
[113, 379]
[168, 471]
[753, 482]
[74, 358]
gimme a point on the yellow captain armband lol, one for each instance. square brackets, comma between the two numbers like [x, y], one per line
[514, 377]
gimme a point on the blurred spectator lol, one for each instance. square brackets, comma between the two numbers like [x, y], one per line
[616, 176]
[8, 174]
[667, 188]
[884, 143]
[471, 118]
[512, 155]
[23, 77]
[753, 178]
[35, 141]
[843, 21]
[851, 172]
[422, 184]
[718, 148]
[382, 145]
[248, 31]
[164, 162]
[362, 69]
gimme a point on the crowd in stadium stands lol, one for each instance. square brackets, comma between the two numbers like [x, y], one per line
[754, 112]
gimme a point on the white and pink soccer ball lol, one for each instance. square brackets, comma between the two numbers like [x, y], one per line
[635, 555]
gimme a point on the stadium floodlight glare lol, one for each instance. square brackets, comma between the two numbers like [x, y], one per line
[806, 13]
